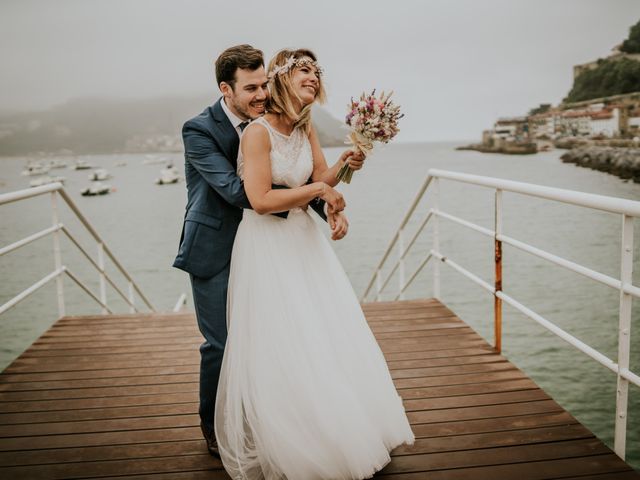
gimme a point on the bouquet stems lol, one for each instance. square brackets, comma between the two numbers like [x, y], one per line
[345, 174]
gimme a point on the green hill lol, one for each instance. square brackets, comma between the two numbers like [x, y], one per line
[632, 44]
[615, 75]
[610, 77]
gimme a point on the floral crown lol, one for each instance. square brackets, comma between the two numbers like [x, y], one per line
[293, 62]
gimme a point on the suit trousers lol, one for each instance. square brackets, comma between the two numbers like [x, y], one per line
[210, 302]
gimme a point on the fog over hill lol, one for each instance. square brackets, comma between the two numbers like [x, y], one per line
[99, 125]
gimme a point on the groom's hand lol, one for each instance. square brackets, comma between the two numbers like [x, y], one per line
[339, 225]
[335, 200]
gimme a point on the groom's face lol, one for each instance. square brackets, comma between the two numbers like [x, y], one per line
[248, 96]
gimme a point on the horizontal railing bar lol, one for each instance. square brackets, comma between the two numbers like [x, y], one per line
[465, 223]
[29, 193]
[464, 272]
[569, 265]
[581, 199]
[629, 375]
[89, 292]
[30, 239]
[394, 239]
[97, 238]
[25, 293]
[567, 337]
[97, 267]
[414, 275]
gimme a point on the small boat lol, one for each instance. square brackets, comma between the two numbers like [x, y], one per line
[82, 165]
[35, 169]
[153, 159]
[168, 175]
[121, 163]
[38, 182]
[57, 163]
[95, 189]
[99, 175]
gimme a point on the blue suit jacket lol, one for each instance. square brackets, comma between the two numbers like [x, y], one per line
[215, 193]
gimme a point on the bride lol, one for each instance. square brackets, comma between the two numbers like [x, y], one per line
[305, 392]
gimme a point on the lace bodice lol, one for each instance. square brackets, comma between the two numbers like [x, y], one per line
[291, 158]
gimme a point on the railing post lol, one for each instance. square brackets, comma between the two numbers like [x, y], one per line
[624, 334]
[497, 302]
[103, 280]
[57, 255]
[436, 238]
[378, 285]
[132, 299]
[401, 263]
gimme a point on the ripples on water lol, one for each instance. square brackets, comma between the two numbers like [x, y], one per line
[141, 223]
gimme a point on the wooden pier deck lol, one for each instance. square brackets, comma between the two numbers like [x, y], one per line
[116, 397]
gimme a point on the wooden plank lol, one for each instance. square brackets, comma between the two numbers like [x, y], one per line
[479, 349]
[497, 456]
[628, 475]
[98, 402]
[99, 392]
[176, 408]
[488, 425]
[203, 461]
[487, 411]
[180, 365]
[128, 437]
[538, 470]
[96, 426]
[111, 452]
[481, 441]
[452, 370]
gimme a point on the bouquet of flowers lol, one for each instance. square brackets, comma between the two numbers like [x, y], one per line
[371, 119]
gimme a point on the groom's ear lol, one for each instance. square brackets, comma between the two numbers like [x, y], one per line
[225, 88]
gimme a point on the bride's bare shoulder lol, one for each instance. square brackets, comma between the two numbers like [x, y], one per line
[255, 137]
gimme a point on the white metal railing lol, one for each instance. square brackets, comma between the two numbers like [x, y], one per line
[627, 209]
[56, 191]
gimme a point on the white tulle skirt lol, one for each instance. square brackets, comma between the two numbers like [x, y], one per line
[304, 392]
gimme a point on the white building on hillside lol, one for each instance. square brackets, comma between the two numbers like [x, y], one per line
[606, 122]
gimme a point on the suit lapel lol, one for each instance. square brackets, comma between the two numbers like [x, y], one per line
[228, 137]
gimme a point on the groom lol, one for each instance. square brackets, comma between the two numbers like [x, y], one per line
[215, 199]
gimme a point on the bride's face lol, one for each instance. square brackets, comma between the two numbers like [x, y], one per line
[306, 83]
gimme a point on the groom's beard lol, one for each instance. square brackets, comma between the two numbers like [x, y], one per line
[251, 110]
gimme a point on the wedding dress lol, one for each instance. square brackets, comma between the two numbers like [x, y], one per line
[305, 392]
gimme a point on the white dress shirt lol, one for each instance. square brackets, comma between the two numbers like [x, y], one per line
[234, 119]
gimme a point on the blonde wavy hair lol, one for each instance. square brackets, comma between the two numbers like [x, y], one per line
[283, 93]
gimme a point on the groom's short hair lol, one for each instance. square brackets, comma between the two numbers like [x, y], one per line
[233, 58]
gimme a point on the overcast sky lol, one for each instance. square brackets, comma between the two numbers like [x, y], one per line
[455, 65]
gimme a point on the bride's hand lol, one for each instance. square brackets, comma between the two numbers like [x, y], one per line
[339, 225]
[355, 160]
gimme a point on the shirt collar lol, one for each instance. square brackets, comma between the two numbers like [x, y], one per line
[234, 119]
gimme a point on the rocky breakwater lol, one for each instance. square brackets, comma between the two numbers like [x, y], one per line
[509, 148]
[623, 162]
